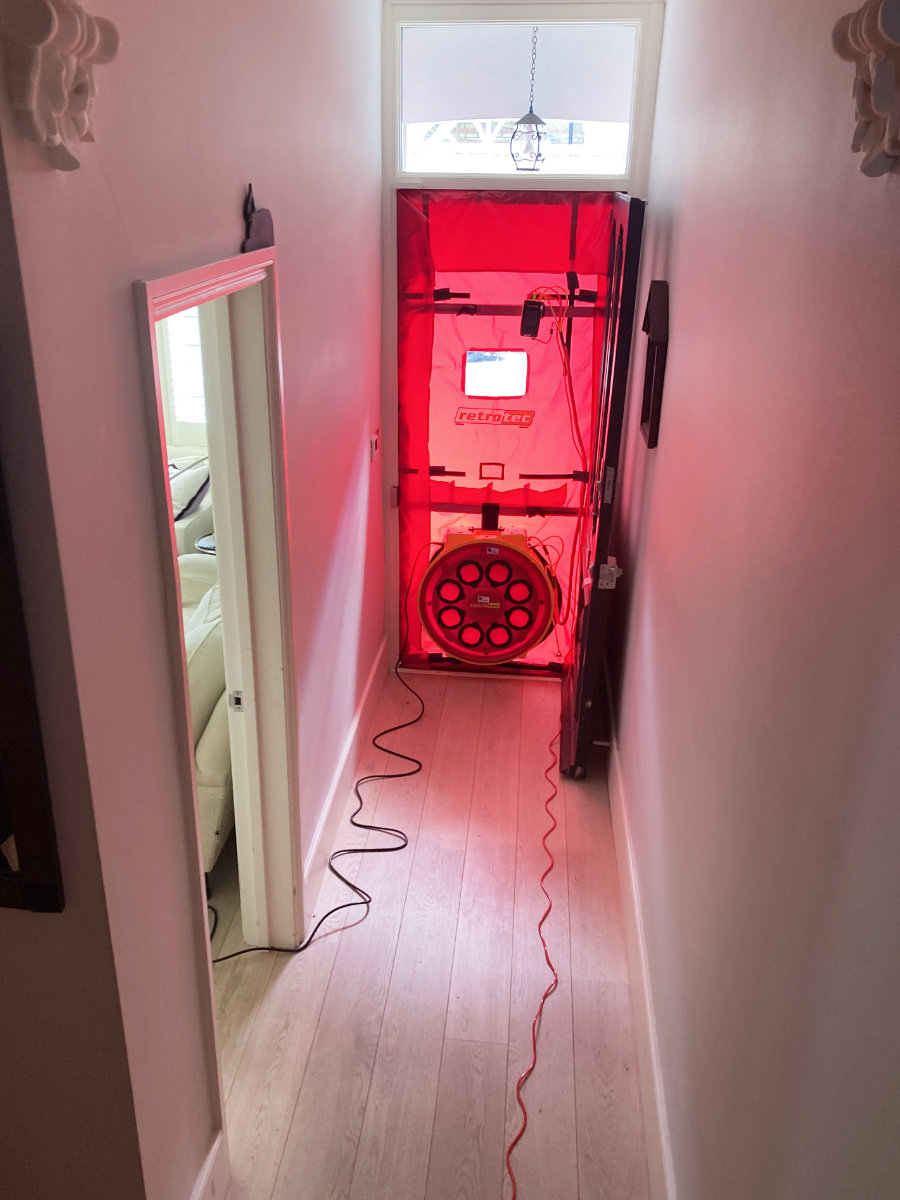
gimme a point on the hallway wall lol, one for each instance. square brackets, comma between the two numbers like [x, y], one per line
[203, 98]
[760, 694]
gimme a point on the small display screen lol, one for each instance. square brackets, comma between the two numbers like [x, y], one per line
[500, 373]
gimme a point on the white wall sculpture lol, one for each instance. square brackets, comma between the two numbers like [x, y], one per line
[51, 49]
[870, 39]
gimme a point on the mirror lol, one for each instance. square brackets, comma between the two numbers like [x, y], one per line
[211, 348]
[29, 863]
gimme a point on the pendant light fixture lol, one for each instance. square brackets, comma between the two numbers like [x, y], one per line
[525, 143]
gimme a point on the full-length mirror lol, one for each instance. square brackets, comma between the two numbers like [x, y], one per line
[215, 419]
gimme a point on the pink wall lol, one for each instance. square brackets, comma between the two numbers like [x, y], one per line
[761, 693]
[203, 98]
[62, 1047]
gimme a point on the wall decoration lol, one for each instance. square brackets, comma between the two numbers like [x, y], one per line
[656, 326]
[259, 232]
[51, 49]
[870, 39]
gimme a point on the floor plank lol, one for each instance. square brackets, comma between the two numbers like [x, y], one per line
[392, 1159]
[612, 1163]
[479, 989]
[324, 1133]
[241, 984]
[598, 939]
[467, 1150]
[549, 1094]
[275, 1054]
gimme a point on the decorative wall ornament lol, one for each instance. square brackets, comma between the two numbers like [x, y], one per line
[51, 48]
[258, 226]
[870, 39]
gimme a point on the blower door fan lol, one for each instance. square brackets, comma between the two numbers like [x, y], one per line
[487, 597]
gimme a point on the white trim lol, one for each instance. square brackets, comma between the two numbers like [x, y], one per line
[390, 422]
[647, 15]
[653, 1100]
[214, 1179]
[316, 861]
[237, 630]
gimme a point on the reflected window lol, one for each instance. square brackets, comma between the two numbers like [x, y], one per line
[182, 384]
[185, 366]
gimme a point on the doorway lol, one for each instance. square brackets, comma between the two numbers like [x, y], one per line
[212, 369]
[515, 316]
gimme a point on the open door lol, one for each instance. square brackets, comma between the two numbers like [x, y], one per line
[585, 714]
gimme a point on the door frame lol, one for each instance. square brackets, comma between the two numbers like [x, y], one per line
[260, 663]
[649, 15]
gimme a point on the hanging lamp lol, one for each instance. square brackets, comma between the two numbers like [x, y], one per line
[525, 143]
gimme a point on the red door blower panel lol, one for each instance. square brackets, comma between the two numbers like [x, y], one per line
[502, 312]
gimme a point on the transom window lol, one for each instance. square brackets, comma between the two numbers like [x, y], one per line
[464, 86]
[458, 80]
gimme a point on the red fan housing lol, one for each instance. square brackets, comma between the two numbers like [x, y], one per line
[487, 597]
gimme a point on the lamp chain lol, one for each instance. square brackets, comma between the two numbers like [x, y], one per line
[534, 33]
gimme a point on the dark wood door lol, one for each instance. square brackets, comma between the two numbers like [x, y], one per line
[585, 716]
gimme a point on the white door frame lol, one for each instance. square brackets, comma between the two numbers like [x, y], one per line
[648, 16]
[243, 357]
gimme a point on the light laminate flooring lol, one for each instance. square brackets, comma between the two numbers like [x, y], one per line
[381, 1063]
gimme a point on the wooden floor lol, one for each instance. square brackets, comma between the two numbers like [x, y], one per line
[381, 1063]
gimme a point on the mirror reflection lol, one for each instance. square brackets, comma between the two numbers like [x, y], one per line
[186, 343]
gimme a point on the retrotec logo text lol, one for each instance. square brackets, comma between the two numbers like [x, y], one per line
[520, 417]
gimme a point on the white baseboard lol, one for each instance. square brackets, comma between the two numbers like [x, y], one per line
[653, 1102]
[316, 861]
[214, 1179]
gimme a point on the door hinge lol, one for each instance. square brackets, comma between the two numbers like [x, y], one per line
[395, 495]
[236, 701]
[610, 483]
[607, 574]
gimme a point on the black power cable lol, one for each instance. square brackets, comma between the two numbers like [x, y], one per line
[365, 898]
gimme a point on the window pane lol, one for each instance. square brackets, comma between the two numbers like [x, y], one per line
[463, 88]
[489, 373]
[182, 333]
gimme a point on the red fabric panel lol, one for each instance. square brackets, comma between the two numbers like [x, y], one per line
[446, 496]
[516, 231]
[457, 440]
[499, 247]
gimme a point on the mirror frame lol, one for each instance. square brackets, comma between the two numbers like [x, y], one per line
[269, 849]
